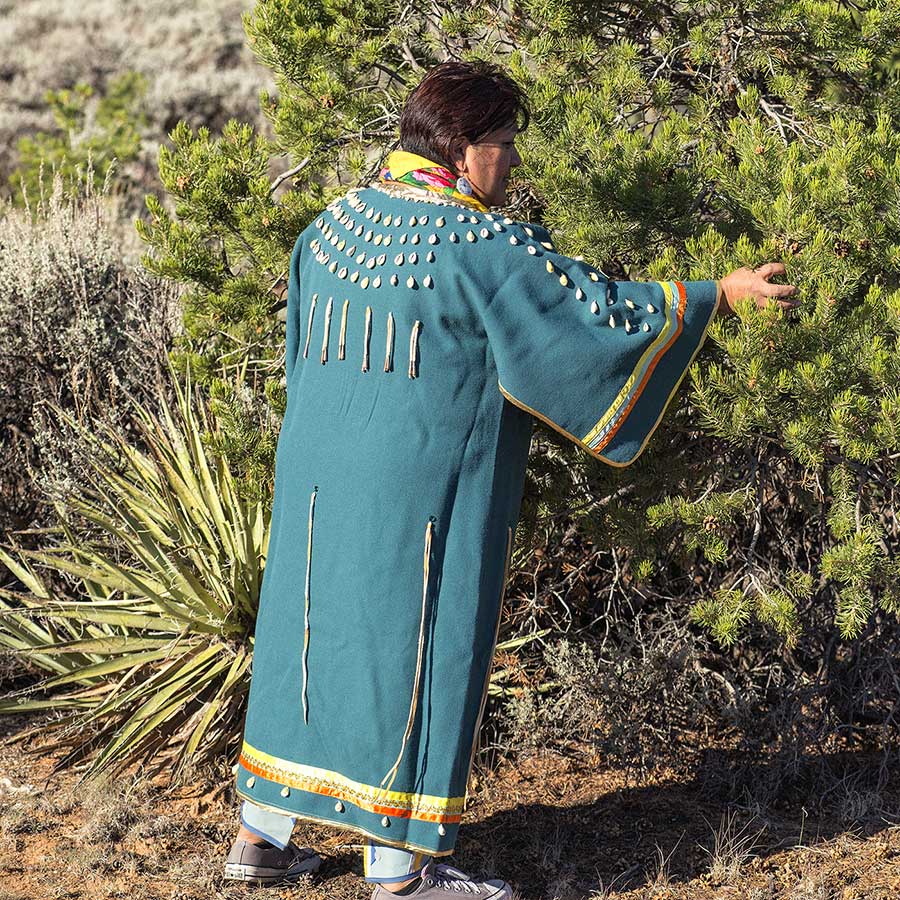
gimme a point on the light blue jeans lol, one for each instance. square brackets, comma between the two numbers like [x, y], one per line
[381, 864]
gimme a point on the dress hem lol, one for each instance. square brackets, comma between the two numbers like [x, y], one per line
[344, 826]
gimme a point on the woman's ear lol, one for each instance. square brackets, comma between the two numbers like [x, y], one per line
[458, 147]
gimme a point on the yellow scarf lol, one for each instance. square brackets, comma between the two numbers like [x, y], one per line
[410, 168]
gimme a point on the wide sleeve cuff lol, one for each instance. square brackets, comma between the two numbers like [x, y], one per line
[622, 431]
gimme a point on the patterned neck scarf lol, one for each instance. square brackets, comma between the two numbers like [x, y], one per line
[409, 168]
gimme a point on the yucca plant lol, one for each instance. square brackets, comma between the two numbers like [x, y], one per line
[152, 663]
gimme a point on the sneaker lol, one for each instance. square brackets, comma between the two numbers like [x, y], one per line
[268, 865]
[438, 879]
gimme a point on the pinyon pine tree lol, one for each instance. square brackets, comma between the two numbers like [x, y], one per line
[667, 142]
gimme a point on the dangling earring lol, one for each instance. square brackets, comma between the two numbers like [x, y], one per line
[464, 186]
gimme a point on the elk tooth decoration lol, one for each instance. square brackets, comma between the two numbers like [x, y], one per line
[343, 272]
[368, 236]
[470, 237]
[579, 294]
[428, 281]
[507, 220]
[398, 221]
[609, 299]
[377, 282]
[320, 222]
[423, 220]
[370, 264]
[354, 277]
[460, 218]
[341, 244]
[595, 307]
[395, 280]
[430, 256]
[381, 259]
[473, 219]
[549, 266]
[376, 217]
[454, 237]
[378, 240]
[432, 239]
[369, 212]
[513, 240]
[532, 249]
[630, 303]
[410, 282]
[413, 221]
[440, 222]
[646, 326]
[628, 326]
[529, 231]
[351, 250]
[413, 258]
[651, 308]
[387, 240]
[364, 283]
[612, 321]
[485, 233]
[593, 276]
[398, 259]
[333, 267]
[359, 231]
[563, 280]
[498, 227]
[414, 239]
[387, 220]
[403, 238]
[547, 245]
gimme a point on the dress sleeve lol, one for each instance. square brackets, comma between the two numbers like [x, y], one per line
[292, 323]
[597, 360]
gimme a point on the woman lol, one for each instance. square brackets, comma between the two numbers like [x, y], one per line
[423, 334]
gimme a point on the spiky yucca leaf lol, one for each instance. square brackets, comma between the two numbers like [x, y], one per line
[154, 663]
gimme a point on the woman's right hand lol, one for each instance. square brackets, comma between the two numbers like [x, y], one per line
[754, 283]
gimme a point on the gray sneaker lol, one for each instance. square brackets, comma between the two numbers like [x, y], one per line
[439, 879]
[247, 861]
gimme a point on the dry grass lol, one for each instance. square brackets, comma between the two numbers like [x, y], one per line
[193, 54]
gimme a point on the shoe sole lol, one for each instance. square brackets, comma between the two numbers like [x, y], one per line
[269, 875]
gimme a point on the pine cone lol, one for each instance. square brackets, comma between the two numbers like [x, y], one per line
[864, 245]
[841, 248]
[709, 523]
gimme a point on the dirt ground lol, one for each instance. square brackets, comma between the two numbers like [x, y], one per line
[557, 827]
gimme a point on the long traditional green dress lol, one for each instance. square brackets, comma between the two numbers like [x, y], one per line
[422, 336]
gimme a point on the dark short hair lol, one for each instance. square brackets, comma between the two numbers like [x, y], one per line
[459, 98]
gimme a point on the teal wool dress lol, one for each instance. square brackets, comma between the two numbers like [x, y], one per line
[422, 337]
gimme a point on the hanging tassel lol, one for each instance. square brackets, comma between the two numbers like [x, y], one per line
[327, 330]
[389, 348]
[414, 702]
[414, 349]
[312, 506]
[312, 309]
[487, 677]
[342, 341]
[368, 335]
